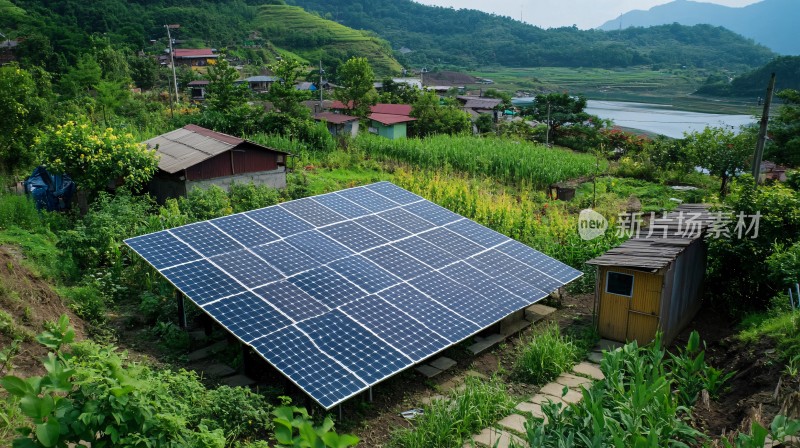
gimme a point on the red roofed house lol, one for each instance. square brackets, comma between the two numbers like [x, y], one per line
[338, 124]
[194, 57]
[193, 156]
[387, 120]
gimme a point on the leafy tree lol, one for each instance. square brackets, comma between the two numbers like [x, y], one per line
[22, 109]
[501, 95]
[282, 94]
[94, 157]
[485, 124]
[436, 118]
[111, 95]
[722, 152]
[144, 71]
[561, 110]
[83, 77]
[785, 130]
[398, 93]
[223, 93]
[356, 90]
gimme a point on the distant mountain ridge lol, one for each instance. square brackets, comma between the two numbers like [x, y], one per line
[772, 23]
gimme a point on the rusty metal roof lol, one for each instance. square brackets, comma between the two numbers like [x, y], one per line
[192, 144]
[656, 249]
[331, 117]
[389, 119]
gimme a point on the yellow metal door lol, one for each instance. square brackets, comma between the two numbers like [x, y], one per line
[641, 327]
[643, 318]
[613, 319]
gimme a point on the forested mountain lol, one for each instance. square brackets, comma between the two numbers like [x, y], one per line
[771, 22]
[754, 83]
[55, 32]
[469, 38]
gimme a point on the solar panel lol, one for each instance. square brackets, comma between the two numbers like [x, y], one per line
[342, 290]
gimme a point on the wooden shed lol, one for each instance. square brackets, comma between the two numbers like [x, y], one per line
[653, 281]
[193, 156]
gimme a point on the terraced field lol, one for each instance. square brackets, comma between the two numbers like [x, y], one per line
[314, 37]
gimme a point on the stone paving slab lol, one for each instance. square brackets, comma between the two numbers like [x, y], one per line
[428, 371]
[534, 409]
[608, 345]
[557, 390]
[205, 352]
[443, 363]
[486, 343]
[514, 422]
[573, 381]
[238, 381]
[537, 312]
[595, 357]
[491, 436]
[590, 370]
[219, 370]
[544, 398]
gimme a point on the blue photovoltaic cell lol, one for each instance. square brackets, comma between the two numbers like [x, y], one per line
[364, 274]
[291, 300]
[318, 246]
[353, 236]
[206, 239]
[540, 261]
[406, 220]
[396, 262]
[396, 327]
[162, 250]
[425, 252]
[367, 199]
[244, 230]
[341, 205]
[504, 263]
[202, 282]
[466, 302]
[432, 314]
[294, 354]
[247, 268]
[279, 221]
[451, 242]
[394, 192]
[382, 227]
[313, 212]
[359, 350]
[327, 286]
[285, 258]
[433, 213]
[477, 233]
[486, 286]
[247, 316]
[343, 290]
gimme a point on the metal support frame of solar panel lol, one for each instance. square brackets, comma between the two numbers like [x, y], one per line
[341, 291]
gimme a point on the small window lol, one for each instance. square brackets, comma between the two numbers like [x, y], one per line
[619, 283]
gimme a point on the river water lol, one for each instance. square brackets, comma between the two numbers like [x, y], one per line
[656, 118]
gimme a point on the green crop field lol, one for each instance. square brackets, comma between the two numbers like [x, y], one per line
[312, 36]
[641, 84]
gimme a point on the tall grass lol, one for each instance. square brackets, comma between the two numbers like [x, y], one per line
[546, 355]
[507, 160]
[449, 422]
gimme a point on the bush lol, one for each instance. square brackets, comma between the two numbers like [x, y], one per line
[18, 211]
[546, 356]
[88, 302]
[246, 197]
[241, 413]
[206, 203]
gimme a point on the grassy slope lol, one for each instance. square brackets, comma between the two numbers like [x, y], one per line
[281, 22]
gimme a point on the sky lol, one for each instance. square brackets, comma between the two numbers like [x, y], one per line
[555, 13]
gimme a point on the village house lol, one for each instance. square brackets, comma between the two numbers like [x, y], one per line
[476, 106]
[338, 124]
[194, 57]
[197, 89]
[387, 120]
[196, 157]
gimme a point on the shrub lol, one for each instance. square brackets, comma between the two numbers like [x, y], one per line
[206, 203]
[546, 356]
[241, 413]
[245, 197]
[18, 211]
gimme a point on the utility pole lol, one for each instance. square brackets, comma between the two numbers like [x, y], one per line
[320, 85]
[172, 62]
[762, 132]
[547, 135]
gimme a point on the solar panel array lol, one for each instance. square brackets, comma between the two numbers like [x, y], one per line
[343, 290]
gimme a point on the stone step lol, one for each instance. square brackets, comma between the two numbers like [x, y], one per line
[239, 381]
[515, 327]
[534, 409]
[219, 370]
[537, 312]
[492, 437]
[595, 357]
[205, 352]
[485, 343]
[573, 381]
[442, 363]
[515, 423]
[588, 370]
[544, 398]
[428, 371]
[557, 390]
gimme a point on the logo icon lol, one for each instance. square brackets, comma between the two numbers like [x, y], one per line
[591, 224]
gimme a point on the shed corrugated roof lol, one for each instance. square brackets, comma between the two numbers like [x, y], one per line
[331, 117]
[194, 53]
[261, 78]
[192, 144]
[671, 235]
[392, 109]
[390, 119]
[479, 102]
[198, 82]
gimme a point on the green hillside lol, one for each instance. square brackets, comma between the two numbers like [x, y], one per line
[315, 38]
[437, 36]
[754, 83]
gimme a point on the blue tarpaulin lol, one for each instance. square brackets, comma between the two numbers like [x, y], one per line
[51, 192]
